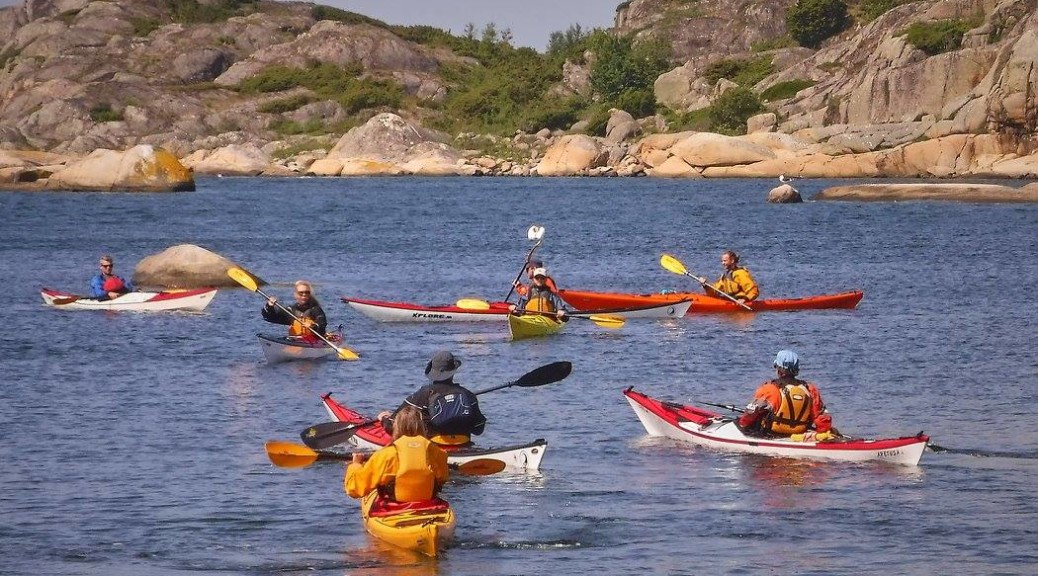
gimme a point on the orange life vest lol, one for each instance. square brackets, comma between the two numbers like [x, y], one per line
[793, 415]
[414, 479]
[299, 327]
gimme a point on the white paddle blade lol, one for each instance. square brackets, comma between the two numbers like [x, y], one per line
[535, 232]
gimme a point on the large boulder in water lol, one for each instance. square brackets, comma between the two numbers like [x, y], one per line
[185, 266]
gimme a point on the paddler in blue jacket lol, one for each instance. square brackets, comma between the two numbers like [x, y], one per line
[106, 285]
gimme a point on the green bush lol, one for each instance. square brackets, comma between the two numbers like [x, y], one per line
[287, 127]
[144, 26]
[597, 120]
[195, 12]
[869, 10]
[639, 102]
[621, 65]
[784, 90]
[320, 12]
[557, 114]
[810, 22]
[283, 105]
[772, 44]
[698, 120]
[103, 113]
[729, 112]
[937, 37]
[364, 94]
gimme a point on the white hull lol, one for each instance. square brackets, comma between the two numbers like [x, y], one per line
[276, 349]
[193, 300]
[724, 435]
[519, 458]
[388, 314]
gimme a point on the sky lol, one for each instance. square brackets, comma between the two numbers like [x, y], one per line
[531, 21]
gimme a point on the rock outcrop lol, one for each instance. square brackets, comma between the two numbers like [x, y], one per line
[185, 266]
[944, 192]
[140, 169]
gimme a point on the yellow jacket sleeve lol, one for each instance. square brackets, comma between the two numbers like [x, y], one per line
[747, 286]
[379, 470]
[438, 464]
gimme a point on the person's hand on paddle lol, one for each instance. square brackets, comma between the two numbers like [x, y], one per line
[359, 458]
[561, 315]
[383, 415]
[702, 279]
[271, 302]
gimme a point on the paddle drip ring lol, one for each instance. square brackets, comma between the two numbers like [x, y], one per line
[535, 232]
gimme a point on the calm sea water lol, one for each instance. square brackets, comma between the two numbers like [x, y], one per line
[133, 444]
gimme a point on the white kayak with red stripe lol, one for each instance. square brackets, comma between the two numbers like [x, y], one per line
[704, 428]
[384, 311]
[141, 301]
[521, 457]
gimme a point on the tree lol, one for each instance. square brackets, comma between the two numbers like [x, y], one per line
[810, 22]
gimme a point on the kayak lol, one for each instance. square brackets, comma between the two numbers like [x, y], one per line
[196, 300]
[701, 303]
[424, 527]
[704, 428]
[384, 311]
[532, 326]
[523, 457]
[286, 348]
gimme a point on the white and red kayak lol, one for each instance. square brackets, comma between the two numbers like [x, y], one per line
[196, 300]
[523, 457]
[704, 428]
[287, 348]
[384, 311]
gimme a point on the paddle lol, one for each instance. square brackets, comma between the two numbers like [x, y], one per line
[535, 233]
[328, 434]
[674, 265]
[242, 277]
[292, 455]
[603, 320]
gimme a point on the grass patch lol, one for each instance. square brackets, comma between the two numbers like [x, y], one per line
[937, 37]
[786, 89]
[285, 104]
[103, 113]
[303, 145]
[786, 41]
[144, 26]
[195, 12]
[742, 72]
[697, 120]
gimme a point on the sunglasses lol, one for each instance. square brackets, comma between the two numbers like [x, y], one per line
[303, 293]
[106, 265]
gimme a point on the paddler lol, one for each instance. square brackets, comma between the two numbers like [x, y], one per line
[410, 469]
[450, 410]
[306, 311]
[735, 281]
[106, 285]
[523, 290]
[542, 295]
[786, 405]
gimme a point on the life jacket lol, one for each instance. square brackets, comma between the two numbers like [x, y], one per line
[451, 439]
[793, 415]
[454, 414]
[540, 300]
[414, 480]
[299, 327]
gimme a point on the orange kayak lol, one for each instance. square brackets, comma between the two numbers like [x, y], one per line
[703, 304]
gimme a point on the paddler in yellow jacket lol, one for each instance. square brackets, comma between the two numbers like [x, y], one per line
[736, 281]
[306, 311]
[410, 469]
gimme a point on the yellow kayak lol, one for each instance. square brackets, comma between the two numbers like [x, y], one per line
[424, 529]
[532, 325]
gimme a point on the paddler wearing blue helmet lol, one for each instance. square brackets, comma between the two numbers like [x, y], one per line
[786, 405]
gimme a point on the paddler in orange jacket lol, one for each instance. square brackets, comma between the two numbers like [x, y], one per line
[542, 295]
[306, 311]
[410, 469]
[523, 290]
[786, 405]
[736, 281]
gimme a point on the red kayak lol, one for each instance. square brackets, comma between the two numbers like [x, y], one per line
[702, 304]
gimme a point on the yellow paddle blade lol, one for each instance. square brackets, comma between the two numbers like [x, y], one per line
[244, 278]
[290, 454]
[673, 264]
[472, 304]
[607, 321]
[347, 354]
[481, 467]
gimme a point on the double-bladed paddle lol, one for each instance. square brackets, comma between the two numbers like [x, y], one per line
[603, 320]
[246, 280]
[292, 455]
[536, 234]
[674, 265]
[328, 434]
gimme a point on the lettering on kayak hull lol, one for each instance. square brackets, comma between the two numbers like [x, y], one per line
[429, 315]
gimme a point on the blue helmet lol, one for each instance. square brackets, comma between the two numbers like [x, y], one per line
[788, 361]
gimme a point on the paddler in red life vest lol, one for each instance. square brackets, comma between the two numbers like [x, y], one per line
[106, 285]
[306, 311]
[786, 405]
[736, 281]
[410, 469]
